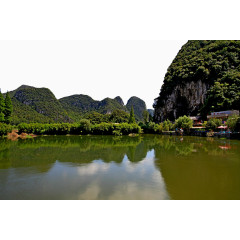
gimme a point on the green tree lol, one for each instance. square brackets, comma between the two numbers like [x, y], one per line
[145, 116]
[2, 107]
[184, 122]
[85, 125]
[213, 123]
[8, 108]
[118, 116]
[167, 125]
[232, 122]
[131, 117]
[95, 117]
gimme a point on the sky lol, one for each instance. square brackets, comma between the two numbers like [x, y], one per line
[96, 68]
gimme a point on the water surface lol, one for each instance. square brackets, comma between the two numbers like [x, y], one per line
[106, 167]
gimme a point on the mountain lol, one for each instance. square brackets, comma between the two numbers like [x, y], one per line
[139, 106]
[119, 99]
[32, 104]
[37, 105]
[151, 112]
[77, 105]
[203, 77]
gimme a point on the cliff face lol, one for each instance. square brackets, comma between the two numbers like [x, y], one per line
[203, 77]
[184, 100]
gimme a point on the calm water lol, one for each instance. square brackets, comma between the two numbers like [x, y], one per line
[104, 167]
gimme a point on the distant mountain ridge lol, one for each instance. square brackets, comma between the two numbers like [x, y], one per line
[77, 105]
[32, 104]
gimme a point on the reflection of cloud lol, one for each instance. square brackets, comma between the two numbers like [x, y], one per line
[91, 192]
[133, 190]
[100, 180]
[93, 168]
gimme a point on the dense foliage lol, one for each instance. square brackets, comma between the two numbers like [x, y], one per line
[5, 129]
[233, 123]
[145, 116]
[217, 63]
[36, 105]
[5, 108]
[8, 108]
[24, 113]
[2, 107]
[151, 127]
[118, 116]
[184, 122]
[83, 127]
[131, 117]
[79, 105]
[212, 123]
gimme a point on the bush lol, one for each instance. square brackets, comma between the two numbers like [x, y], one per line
[151, 127]
[167, 125]
[232, 122]
[213, 123]
[83, 127]
[5, 129]
[184, 122]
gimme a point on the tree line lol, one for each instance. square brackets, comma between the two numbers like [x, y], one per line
[6, 108]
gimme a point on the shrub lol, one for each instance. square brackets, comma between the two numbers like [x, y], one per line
[83, 127]
[184, 122]
[232, 122]
[152, 127]
[213, 123]
[167, 125]
[5, 129]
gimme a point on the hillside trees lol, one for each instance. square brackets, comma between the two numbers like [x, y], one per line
[5, 108]
[8, 108]
[2, 107]
[131, 117]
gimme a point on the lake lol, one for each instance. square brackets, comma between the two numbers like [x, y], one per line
[108, 167]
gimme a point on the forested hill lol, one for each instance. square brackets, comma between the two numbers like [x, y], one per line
[32, 104]
[139, 106]
[78, 105]
[203, 77]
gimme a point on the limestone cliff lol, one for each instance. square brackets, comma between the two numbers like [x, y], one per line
[185, 99]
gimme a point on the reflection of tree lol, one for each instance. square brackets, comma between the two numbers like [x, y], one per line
[137, 153]
[4, 159]
[185, 149]
[198, 169]
[42, 152]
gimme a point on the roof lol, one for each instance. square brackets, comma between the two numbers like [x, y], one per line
[195, 117]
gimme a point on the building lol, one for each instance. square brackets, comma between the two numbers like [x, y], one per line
[197, 122]
[223, 115]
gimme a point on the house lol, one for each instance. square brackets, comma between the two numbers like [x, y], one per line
[223, 115]
[197, 122]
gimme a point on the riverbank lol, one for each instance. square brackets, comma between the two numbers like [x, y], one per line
[235, 135]
[29, 130]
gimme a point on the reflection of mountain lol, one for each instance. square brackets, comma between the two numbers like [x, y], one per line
[137, 153]
[42, 151]
[206, 172]
[79, 167]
